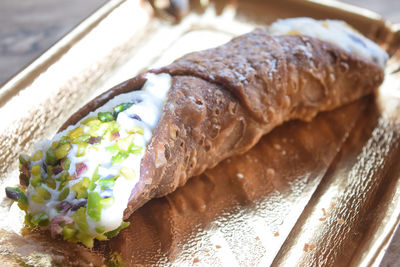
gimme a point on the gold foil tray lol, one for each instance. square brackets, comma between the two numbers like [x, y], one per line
[323, 193]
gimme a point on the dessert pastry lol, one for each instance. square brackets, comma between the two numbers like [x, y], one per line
[147, 136]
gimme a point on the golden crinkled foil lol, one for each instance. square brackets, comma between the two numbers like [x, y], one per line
[320, 193]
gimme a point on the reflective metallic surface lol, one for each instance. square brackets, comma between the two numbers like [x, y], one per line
[323, 192]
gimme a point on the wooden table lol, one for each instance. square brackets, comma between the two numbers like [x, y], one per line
[30, 27]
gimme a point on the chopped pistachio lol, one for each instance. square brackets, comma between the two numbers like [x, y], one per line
[119, 157]
[36, 180]
[86, 121]
[100, 229]
[64, 140]
[121, 107]
[105, 116]
[95, 177]
[75, 133]
[37, 156]
[136, 129]
[17, 194]
[97, 128]
[81, 149]
[124, 144]
[50, 157]
[63, 177]
[62, 151]
[85, 239]
[50, 182]
[66, 163]
[115, 232]
[81, 187]
[62, 185]
[81, 139]
[80, 219]
[101, 237]
[68, 232]
[128, 173]
[37, 199]
[41, 219]
[107, 183]
[94, 206]
[23, 159]
[43, 192]
[63, 195]
[55, 144]
[35, 170]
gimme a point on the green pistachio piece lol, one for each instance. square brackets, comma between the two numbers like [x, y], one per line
[50, 157]
[105, 116]
[68, 232]
[23, 159]
[101, 237]
[66, 163]
[124, 144]
[36, 180]
[81, 220]
[81, 139]
[106, 183]
[121, 156]
[121, 107]
[85, 239]
[35, 170]
[75, 133]
[88, 120]
[136, 129]
[49, 170]
[100, 229]
[50, 182]
[62, 151]
[43, 192]
[63, 195]
[18, 195]
[41, 219]
[63, 177]
[37, 199]
[95, 177]
[64, 140]
[81, 187]
[115, 232]
[81, 149]
[37, 156]
[27, 220]
[94, 206]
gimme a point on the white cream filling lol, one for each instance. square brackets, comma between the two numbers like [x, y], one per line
[335, 32]
[150, 101]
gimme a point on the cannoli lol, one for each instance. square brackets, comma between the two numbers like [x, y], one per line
[147, 136]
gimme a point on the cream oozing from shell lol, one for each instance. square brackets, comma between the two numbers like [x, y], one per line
[332, 31]
[136, 125]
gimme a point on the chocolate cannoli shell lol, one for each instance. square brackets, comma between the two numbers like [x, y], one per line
[222, 100]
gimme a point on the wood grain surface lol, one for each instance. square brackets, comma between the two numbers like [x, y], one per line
[30, 27]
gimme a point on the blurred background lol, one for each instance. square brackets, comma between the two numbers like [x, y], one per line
[30, 27]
